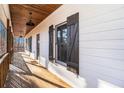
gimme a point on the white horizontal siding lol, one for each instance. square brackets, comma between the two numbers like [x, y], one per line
[102, 47]
[33, 54]
[101, 37]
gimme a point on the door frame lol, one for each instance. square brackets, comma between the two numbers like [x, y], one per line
[56, 52]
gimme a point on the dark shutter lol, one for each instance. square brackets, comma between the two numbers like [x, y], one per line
[51, 42]
[26, 44]
[38, 45]
[30, 44]
[73, 43]
[8, 39]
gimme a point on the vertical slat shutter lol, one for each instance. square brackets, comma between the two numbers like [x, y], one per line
[38, 45]
[30, 44]
[9, 39]
[51, 42]
[73, 42]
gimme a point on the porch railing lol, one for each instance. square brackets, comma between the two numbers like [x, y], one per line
[4, 67]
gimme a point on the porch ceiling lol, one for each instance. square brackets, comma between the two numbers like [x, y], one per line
[20, 15]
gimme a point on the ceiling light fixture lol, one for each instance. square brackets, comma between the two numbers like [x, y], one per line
[30, 23]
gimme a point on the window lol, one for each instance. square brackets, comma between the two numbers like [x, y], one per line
[3, 39]
[62, 43]
[67, 43]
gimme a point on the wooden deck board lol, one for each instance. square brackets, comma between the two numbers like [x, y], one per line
[27, 73]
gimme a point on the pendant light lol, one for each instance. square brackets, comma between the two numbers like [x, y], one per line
[30, 23]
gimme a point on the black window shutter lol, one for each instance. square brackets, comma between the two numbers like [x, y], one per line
[51, 42]
[30, 44]
[73, 43]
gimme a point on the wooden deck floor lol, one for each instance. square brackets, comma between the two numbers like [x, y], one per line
[27, 73]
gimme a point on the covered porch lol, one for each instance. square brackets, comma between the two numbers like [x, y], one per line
[17, 68]
[61, 45]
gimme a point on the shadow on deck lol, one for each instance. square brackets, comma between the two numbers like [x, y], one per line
[27, 73]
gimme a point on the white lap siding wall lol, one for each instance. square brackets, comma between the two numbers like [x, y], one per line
[101, 44]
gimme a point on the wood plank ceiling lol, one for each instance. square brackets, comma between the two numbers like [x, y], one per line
[20, 16]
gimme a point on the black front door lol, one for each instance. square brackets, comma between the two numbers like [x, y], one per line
[62, 43]
[38, 45]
